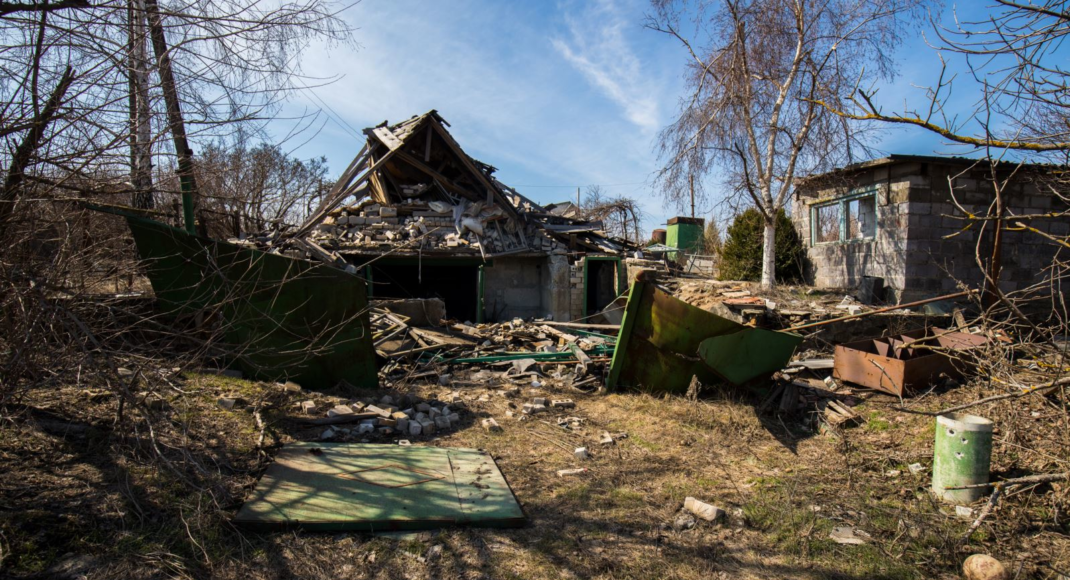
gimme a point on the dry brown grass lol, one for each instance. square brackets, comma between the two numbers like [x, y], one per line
[95, 493]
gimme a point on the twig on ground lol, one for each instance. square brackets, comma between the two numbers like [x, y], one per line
[992, 501]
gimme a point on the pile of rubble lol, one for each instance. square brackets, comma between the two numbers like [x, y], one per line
[520, 347]
[386, 417]
[418, 191]
[430, 225]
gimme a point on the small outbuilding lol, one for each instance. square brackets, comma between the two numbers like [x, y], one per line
[904, 219]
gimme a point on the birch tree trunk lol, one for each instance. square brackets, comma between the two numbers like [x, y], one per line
[769, 253]
[141, 130]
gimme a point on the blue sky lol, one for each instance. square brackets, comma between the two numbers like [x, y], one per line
[555, 94]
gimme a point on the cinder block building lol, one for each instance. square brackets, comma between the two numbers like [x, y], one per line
[903, 218]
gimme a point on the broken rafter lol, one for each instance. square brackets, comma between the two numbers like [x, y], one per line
[442, 180]
[345, 178]
[337, 197]
[320, 253]
[492, 191]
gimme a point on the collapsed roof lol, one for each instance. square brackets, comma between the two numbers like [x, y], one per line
[413, 189]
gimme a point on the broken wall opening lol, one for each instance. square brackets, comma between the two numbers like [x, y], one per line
[600, 283]
[456, 283]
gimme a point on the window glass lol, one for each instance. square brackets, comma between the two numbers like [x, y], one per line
[827, 223]
[861, 218]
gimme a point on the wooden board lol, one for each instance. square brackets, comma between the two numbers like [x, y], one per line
[387, 138]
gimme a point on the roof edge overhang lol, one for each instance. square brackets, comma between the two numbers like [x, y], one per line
[902, 158]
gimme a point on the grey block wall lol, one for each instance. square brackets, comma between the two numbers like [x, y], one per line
[513, 288]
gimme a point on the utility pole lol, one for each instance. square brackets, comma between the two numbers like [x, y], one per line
[577, 197]
[691, 179]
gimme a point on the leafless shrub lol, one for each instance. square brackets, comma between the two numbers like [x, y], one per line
[83, 122]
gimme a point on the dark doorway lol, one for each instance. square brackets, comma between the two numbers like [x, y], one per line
[457, 286]
[600, 283]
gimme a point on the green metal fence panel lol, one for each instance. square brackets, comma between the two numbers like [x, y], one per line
[282, 318]
[663, 342]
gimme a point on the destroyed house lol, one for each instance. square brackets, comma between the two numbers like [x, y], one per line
[900, 219]
[429, 221]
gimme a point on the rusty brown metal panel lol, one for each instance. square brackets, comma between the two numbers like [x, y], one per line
[888, 364]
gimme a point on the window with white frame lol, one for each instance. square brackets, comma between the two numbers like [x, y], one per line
[850, 218]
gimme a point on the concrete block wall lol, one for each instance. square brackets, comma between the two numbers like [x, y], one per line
[634, 266]
[576, 289]
[922, 246]
[842, 265]
[534, 287]
[513, 288]
[943, 252]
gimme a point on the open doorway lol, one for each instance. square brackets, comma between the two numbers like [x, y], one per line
[600, 283]
[457, 286]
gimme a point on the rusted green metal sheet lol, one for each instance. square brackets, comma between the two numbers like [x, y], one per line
[743, 355]
[283, 318]
[370, 487]
[664, 341]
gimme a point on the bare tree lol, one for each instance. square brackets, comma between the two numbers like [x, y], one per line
[82, 119]
[231, 62]
[1015, 67]
[246, 187]
[620, 215]
[755, 71]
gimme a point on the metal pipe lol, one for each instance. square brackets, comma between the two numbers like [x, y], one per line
[880, 310]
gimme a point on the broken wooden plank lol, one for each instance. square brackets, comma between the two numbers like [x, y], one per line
[320, 253]
[813, 364]
[387, 138]
[581, 325]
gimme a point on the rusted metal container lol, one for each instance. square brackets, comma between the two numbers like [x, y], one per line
[892, 365]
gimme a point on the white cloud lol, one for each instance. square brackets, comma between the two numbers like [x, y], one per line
[597, 45]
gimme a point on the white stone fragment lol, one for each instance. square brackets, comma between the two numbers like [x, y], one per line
[703, 510]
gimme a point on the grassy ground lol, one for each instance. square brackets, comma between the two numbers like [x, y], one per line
[78, 497]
